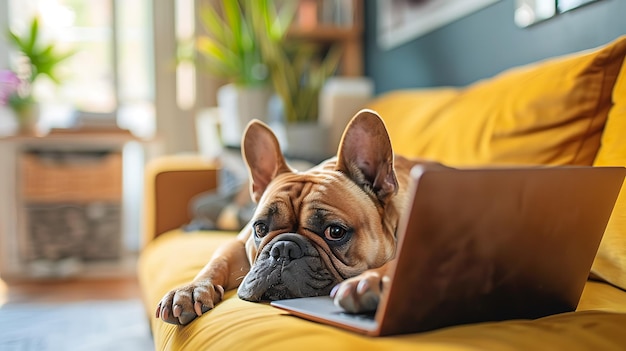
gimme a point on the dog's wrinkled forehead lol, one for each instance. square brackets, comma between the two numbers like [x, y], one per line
[290, 190]
[307, 193]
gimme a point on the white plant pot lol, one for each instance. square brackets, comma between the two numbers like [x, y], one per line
[238, 106]
[307, 141]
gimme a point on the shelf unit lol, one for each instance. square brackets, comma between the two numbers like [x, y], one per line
[71, 205]
[315, 23]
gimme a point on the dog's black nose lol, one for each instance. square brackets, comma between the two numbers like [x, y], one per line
[287, 250]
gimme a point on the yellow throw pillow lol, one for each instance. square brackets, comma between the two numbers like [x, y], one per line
[408, 113]
[551, 112]
[610, 262]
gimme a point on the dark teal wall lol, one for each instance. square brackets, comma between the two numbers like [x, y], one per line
[485, 43]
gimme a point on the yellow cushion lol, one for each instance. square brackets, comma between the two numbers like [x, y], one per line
[174, 258]
[551, 112]
[610, 262]
[411, 114]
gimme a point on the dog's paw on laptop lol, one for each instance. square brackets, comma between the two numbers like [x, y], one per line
[362, 293]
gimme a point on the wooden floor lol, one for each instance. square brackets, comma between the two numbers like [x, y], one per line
[57, 291]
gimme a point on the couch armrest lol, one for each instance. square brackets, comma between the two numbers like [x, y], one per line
[170, 183]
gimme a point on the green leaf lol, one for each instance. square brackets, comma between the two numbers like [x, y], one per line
[283, 20]
[64, 56]
[212, 22]
[34, 32]
[214, 50]
[232, 14]
[16, 40]
[220, 60]
[46, 51]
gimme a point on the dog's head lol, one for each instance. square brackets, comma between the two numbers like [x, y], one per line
[314, 229]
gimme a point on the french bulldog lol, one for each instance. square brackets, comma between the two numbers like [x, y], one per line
[328, 230]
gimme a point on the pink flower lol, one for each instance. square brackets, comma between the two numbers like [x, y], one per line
[9, 84]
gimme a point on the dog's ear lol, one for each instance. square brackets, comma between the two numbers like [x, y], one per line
[263, 157]
[366, 156]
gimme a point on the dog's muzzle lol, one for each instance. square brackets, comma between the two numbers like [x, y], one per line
[289, 266]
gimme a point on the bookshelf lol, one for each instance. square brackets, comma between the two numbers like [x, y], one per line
[333, 22]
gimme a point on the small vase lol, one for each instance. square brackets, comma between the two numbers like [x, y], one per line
[305, 140]
[27, 117]
[238, 106]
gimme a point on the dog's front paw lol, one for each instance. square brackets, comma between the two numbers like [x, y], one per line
[360, 294]
[182, 305]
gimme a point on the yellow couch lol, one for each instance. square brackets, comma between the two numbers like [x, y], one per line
[565, 111]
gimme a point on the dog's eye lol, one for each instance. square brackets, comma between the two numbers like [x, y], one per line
[260, 229]
[334, 233]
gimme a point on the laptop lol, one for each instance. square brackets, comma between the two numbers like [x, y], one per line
[479, 245]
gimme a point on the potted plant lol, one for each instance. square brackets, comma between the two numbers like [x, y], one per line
[231, 51]
[298, 71]
[36, 60]
[247, 45]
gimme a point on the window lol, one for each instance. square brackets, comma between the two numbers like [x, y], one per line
[110, 78]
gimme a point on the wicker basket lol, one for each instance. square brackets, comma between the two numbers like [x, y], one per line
[71, 177]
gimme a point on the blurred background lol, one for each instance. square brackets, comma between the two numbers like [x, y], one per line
[136, 79]
[92, 90]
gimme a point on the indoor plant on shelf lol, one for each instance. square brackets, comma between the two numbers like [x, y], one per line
[298, 71]
[36, 60]
[298, 82]
[231, 51]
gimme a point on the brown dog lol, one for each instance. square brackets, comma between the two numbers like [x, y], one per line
[335, 223]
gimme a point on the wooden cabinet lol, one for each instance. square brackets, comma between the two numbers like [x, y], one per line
[70, 205]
